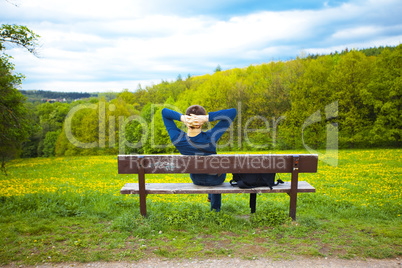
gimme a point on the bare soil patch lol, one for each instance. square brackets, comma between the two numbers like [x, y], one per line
[231, 262]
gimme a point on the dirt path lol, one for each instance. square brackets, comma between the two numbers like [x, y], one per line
[230, 263]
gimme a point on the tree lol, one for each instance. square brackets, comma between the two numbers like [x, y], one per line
[384, 93]
[18, 35]
[50, 118]
[14, 126]
[49, 143]
[30, 146]
[218, 69]
[310, 99]
[349, 80]
[159, 140]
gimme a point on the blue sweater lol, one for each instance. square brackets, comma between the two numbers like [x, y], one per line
[202, 144]
[205, 142]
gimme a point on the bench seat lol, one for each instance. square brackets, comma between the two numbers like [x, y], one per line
[190, 188]
[216, 164]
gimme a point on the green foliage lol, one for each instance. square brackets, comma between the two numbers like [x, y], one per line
[159, 140]
[84, 136]
[349, 78]
[273, 217]
[135, 133]
[49, 143]
[14, 124]
[361, 86]
[50, 119]
[384, 94]
[18, 35]
[281, 105]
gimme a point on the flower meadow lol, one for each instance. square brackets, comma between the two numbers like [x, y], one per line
[355, 212]
[366, 178]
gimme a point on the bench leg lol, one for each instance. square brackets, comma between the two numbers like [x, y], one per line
[141, 186]
[293, 188]
[253, 202]
[143, 204]
[293, 204]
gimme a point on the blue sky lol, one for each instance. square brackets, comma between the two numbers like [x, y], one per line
[101, 46]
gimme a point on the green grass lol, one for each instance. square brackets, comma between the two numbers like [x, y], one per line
[70, 210]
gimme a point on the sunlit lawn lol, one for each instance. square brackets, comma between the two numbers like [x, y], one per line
[70, 209]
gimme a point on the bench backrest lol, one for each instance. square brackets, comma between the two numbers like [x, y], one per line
[221, 163]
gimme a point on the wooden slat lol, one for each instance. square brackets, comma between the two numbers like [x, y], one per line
[190, 188]
[233, 163]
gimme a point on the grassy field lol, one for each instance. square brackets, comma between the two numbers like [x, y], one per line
[70, 209]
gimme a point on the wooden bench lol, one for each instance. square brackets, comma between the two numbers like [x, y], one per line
[216, 164]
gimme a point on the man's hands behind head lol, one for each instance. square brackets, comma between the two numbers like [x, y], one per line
[195, 121]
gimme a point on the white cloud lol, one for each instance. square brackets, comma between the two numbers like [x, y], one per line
[364, 32]
[93, 45]
[357, 32]
[79, 10]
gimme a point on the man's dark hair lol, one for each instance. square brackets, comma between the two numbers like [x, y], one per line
[196, 109]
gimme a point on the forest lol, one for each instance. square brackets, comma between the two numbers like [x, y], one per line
[351, 99]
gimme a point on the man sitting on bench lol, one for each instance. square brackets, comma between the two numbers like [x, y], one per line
[198, 142]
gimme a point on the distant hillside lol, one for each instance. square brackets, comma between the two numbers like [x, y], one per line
[52, 96]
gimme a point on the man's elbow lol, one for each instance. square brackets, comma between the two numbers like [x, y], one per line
[233, 113]
[164, 112]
